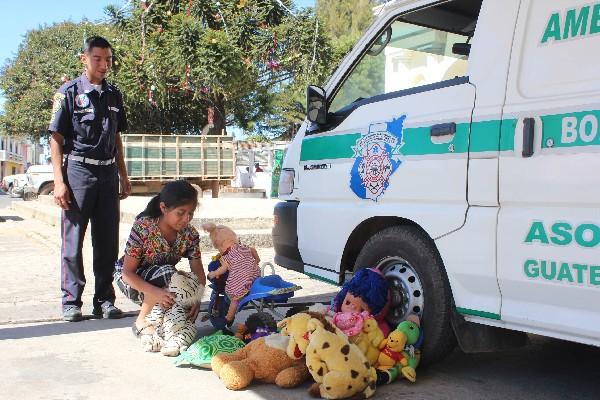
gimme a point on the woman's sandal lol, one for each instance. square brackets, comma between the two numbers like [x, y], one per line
[139, 332]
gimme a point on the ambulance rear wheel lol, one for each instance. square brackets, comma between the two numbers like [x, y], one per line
[418, 284]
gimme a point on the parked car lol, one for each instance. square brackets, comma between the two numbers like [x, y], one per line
[14, 184]
[42, 178]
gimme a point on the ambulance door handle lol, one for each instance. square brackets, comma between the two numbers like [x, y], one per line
[443, 129]
[528, 131]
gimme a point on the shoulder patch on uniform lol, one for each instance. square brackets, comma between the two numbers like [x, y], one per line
[57, 100]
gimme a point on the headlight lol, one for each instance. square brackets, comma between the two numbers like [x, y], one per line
[286, 181]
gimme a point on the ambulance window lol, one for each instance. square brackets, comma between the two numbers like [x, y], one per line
[419, 48]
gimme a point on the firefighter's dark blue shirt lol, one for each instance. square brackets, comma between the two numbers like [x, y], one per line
[89, 121]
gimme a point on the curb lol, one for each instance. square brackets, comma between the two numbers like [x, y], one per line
[250, 236]
[127, 217]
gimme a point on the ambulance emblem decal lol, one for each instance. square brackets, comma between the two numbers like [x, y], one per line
[377, 157]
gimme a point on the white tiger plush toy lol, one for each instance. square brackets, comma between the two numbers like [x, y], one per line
[174, 332]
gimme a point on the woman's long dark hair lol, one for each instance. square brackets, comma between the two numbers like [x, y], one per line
[173, 194]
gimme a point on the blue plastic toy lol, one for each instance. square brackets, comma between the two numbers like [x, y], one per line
[265, 292]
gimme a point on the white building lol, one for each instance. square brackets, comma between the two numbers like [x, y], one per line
[17, 154]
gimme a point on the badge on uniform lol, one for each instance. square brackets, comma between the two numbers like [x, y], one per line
[82, 100]
[56, 104]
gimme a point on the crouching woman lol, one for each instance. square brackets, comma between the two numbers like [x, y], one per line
[160, 237]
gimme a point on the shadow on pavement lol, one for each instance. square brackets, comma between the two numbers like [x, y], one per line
[10, 218]
[91, 323]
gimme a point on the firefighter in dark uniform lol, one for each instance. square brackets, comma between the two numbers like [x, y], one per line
[87, 157]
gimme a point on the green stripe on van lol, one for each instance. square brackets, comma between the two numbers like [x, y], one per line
[477, 313]
[320, 278]
[507, 135]
[485, 136]
[417, 142]
[328, 147]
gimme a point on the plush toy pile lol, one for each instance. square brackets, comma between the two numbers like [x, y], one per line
[173, 331]
[347, 349]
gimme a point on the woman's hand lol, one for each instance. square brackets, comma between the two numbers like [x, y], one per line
[193, 314]
[163, 297]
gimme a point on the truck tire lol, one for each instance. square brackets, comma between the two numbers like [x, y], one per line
[47, 188]
[418, 284]
[12, 191]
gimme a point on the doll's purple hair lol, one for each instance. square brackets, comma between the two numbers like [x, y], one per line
[370, 285]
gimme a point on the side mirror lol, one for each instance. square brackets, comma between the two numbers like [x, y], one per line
[380, 43]
[316, 105]
[461, 49]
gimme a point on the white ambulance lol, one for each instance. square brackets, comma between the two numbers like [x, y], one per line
[456, 148]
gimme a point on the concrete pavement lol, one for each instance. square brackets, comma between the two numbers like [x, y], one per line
[45, 358]
[95, 358]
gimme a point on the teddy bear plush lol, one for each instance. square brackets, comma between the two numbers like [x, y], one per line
[173, 331]
[338, 367]
[265, 360]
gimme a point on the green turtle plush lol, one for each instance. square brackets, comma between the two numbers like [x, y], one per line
[200, 353]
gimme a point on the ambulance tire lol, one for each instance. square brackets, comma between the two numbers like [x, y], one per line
[411, 244]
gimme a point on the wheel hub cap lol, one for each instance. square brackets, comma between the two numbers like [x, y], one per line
[406, 290]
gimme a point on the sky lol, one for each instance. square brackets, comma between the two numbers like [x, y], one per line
[22, 16]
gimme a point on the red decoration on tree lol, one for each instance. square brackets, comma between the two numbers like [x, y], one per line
[273, 65]
[211, 115]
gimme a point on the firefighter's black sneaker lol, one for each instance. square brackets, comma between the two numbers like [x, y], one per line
[107, 310]
[72, 313]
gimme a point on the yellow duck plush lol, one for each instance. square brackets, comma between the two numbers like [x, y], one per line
[338, 367]
[369, 340]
